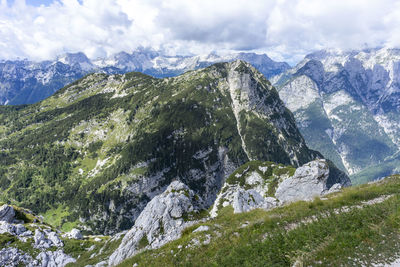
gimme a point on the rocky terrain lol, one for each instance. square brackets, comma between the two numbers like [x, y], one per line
[355, 226]
[26, 240]
[349, 108]
[250, 187]
[334, 226]
[164, 218]
[25, 82]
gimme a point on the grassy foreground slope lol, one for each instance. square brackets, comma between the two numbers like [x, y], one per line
[358, 227]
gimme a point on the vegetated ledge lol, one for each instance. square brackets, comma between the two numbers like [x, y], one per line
[359, 226]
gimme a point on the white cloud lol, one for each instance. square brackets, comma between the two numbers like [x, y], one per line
[285, 29]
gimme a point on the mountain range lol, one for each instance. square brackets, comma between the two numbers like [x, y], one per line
[27, 82]
[207, 167]
[347, 107]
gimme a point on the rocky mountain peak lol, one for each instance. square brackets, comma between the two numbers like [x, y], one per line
[76, 59]
[313, 69]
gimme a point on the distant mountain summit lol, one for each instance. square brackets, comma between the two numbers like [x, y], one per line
[79, 60]
[26, 82]
[347, 106]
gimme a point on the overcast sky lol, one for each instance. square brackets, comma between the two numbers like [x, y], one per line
[284, 29]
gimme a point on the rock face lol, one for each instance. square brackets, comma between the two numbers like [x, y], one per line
[7, 213]
[268, 185]
[308, 182]
[349, 109]
[160, 222]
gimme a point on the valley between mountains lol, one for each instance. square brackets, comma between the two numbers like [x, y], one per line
[205, 168]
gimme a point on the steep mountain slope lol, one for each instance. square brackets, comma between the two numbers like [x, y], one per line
[99, 150]
[25, 82]
[349, 108]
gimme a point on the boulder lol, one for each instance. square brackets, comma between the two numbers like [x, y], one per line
[309, 181]
[14, 229]
[160, 222]
[20, 230]
[40, 240]
[242, 200]
[74, 234]
[7, 213]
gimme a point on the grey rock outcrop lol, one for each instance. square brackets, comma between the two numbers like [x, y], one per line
[270, 186]
[14, 229]
[46, 239]
[308, 182]
[160, 222]
[242, 200]
[43, 240]
[6, 228]
[53, 237]
[202, 228]
[335, 188]
[248, 190]
[14, 257]
[7, 213]
[74, 234]
[54, 258]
